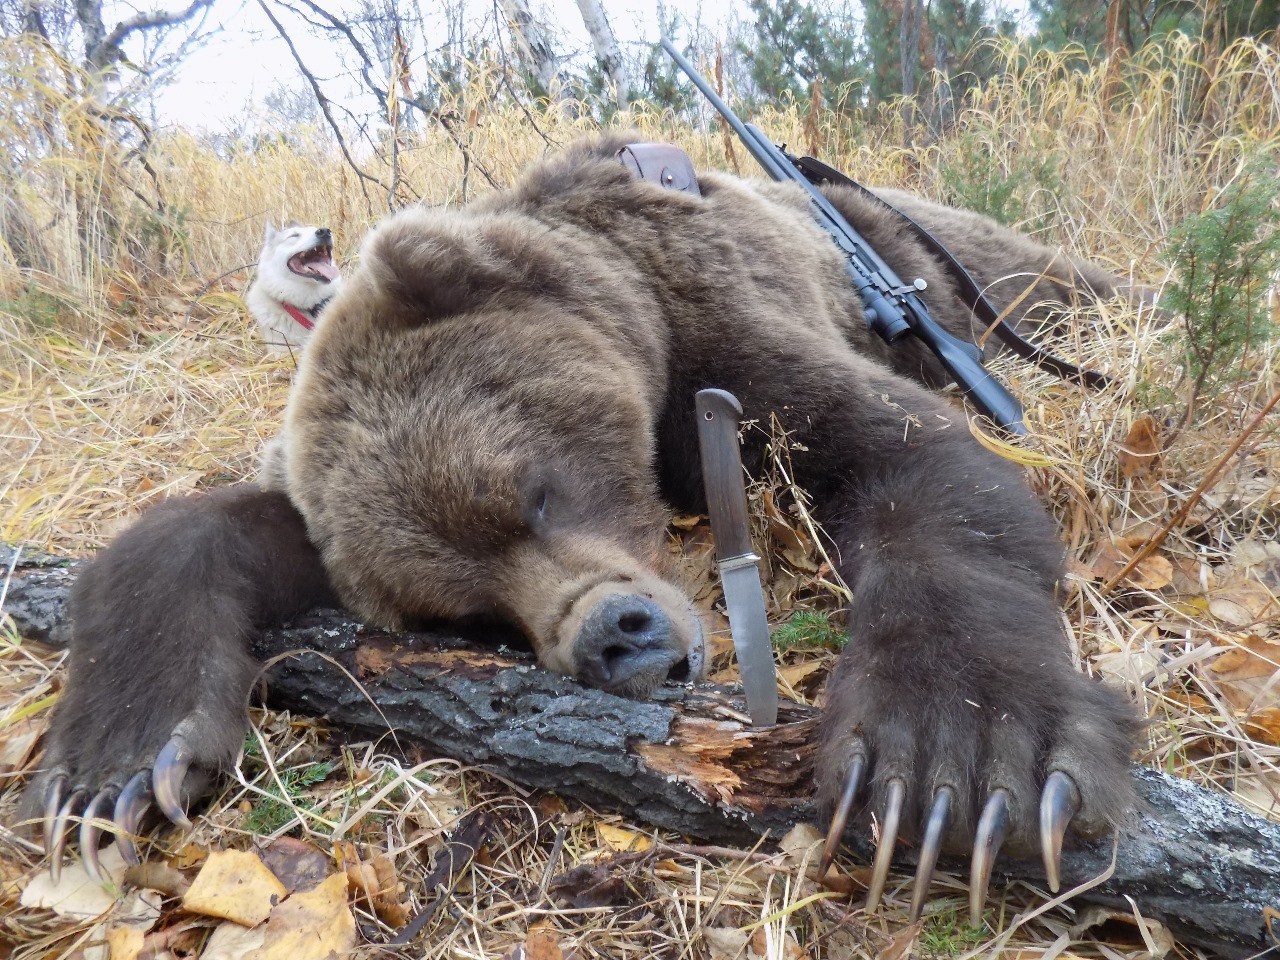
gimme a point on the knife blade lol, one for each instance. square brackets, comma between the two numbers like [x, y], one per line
[718, 415]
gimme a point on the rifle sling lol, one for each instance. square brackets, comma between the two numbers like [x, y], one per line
[818, 172]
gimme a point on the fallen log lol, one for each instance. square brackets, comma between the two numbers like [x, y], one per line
[687, 761]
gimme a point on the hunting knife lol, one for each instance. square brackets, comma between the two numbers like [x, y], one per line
[718, 415]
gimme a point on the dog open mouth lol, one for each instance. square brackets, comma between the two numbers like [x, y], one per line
[316, 263]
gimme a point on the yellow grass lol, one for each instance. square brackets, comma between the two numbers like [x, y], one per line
[129, 372]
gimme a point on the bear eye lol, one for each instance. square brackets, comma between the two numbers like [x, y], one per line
[540, 502]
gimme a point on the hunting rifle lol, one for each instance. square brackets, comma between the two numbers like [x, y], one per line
[893, 309]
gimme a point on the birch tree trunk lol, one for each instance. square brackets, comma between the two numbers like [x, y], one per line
[533, 45]
[608, 54]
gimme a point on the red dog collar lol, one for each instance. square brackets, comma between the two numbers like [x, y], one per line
[303, 320]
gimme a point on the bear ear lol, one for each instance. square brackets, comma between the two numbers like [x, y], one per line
[442, 267]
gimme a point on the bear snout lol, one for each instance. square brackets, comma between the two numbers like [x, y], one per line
[627, 644]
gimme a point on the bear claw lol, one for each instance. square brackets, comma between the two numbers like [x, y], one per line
[934, 831]
[992, 827]
[91, 829]
[168, 774]
[897, 793]
[841, 816]
[132, 803]
[56, 830]
[1058, 804]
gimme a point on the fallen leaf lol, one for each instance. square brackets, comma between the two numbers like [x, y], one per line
[550, 806]
[235, 885]
[1155, 936]
[726, 943]
[590, 885]
[1242, 603]
[376, 881]
[77, 896]
[125, 942]
[622, 840]
[542, 943]
[11, 882]
[802, 842]
[758, 947]
[1153, 573]
[900, 945]
[159, 877]
[17, 740]
[1141, 450]
[312, 925]
[296, 863]
[189, 855]
[1265, 726]
[230, 941]
[795, 674]
[1254, 658]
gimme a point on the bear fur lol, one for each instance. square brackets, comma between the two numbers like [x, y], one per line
[495, 420]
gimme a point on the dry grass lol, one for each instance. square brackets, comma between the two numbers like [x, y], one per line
[128, 372]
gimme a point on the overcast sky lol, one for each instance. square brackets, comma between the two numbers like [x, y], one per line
[247, 60]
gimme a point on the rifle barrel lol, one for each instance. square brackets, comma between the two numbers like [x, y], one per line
[761, 156]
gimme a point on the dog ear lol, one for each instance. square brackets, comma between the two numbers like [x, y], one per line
[269, 233]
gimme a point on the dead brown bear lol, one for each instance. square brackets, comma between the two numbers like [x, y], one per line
[491, 421]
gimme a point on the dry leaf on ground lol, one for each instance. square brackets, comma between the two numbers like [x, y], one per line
[622, 840]
[77, 896]
[125, 942]
[230, 941]
[1140, 452]
[1155, 936]
[1252, 658]
[375, 880]
[312, 925]
[542, 943]
[901, 943]
[1153, 573]
[296, 863]
[759, 947]
[1243, 603]
[235, 885]
[726, 943]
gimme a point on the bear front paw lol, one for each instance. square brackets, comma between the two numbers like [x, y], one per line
[973, 763]
[106, 773]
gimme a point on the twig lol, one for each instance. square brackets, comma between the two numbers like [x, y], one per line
[322, 101]
[1154, 542]
[446, 126]
[450, 862]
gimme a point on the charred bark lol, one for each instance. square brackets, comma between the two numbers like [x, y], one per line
[687, 761]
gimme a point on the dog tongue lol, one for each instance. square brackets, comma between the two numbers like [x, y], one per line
[326, 268]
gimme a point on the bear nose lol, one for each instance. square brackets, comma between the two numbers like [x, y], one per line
[623, 637]
[324, 235]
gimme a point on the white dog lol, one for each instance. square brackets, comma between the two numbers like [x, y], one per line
[296, 278]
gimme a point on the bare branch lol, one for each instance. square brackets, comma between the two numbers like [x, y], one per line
[107, 50]
[322, 100]
[341, 25]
